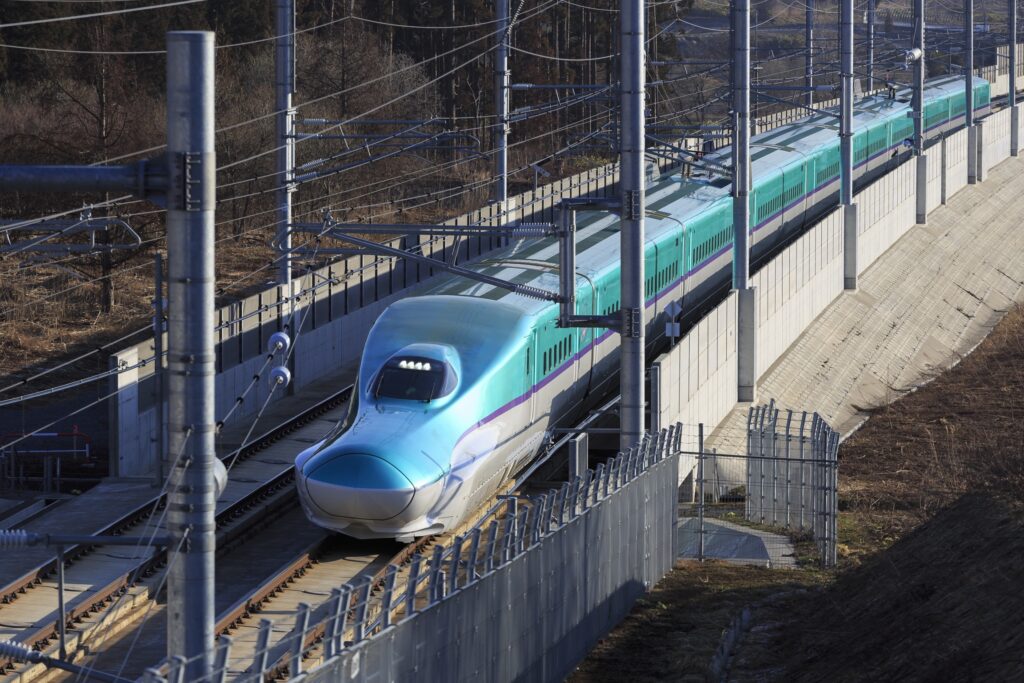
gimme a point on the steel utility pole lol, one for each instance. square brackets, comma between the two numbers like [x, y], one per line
[633, 181]
[191, 422]
[501, 85]
[746, 312]
[809, 57]
[185, 180]
[1011, 19]
[846, 145]
[871, 45]
[972, 133]
[284, 91]
[917, 107]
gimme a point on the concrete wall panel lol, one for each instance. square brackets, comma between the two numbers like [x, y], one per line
[956, 162]
[796, 286]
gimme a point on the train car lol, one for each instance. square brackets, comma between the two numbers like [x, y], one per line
[460, 385]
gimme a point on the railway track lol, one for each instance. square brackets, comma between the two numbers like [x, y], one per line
[259, 488]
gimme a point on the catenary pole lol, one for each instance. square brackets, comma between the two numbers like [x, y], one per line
[632, 231]
[809, 55]
[1012, 77]
[741, 184]
[870, 30]
[846, 145]
[159, 374]
[972, 138]
[501, 85]
[917, 107]
[191, 421]
[284, 90]
[741, 143]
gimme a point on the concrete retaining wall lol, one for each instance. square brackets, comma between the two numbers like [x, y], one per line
[996, 139]
[795, 287]
[956, 162]
[698, 376]
[885, 211]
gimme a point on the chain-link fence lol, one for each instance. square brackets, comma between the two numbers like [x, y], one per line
[758, 507]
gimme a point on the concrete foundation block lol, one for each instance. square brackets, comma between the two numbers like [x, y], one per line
[1014, 130]
[850, 247]
[979, 144]
[922, 189]
[746, 345]
[972, 155]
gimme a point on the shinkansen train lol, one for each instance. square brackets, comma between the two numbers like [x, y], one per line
[459, 385]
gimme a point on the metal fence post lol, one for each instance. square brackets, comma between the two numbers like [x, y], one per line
[789, 481]
[492, 536]
[220, 663]
[453, 577]
[390, 576]
[700, 492]
[412, 584]
[803, 472]
[301, 625]
[259, 659]
[61, 610]
[775, 466]
[436, 589]
[362, 608]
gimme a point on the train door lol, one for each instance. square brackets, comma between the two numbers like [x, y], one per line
[586, 335]
[651, 282]
[532, 373]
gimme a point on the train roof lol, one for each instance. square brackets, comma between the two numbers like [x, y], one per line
[670, 199]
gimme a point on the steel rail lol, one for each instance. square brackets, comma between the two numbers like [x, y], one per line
[94, 600]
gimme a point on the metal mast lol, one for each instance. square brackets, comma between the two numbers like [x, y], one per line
[809, 57]
[746, 312]
[501, 84]
[284, 90]
[191, 424]
[871, 45]
[917, 54]
[1012, 56]
[632, 232]
[972, 136]
[846, 144]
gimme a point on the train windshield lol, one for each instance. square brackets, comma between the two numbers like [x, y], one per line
[414, 379]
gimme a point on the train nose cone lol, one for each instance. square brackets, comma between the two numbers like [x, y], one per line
[358, 486]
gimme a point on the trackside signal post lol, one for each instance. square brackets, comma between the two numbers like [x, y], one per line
[183, 180]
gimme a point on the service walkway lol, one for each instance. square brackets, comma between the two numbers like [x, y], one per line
[923, 305]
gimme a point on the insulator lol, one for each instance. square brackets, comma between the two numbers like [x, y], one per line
[279, 341]
[280, 376]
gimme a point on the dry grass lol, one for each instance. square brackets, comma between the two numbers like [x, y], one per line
[932, 534]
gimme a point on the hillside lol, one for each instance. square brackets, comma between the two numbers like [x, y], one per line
[931, 555]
